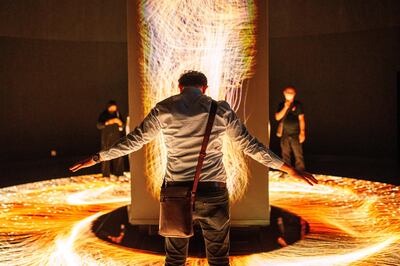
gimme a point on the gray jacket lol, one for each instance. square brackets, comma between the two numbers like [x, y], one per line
[182, 120]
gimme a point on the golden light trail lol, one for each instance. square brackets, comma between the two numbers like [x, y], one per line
[352, 222]
[216, 37]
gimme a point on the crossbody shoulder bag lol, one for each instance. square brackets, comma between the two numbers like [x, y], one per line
[177, 203]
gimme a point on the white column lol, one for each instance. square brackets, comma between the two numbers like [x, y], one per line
[253, 209]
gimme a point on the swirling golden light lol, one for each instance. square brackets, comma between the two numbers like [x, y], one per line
[215, 37]
[49, 223]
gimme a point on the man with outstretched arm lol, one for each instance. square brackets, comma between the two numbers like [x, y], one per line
[182, 121]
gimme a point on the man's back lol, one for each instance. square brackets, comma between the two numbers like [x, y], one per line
[183, 120]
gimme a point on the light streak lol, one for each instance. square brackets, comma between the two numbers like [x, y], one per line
[216, 37]
[352, 222]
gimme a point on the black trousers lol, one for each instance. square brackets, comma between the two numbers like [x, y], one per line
[212, 212]
[291, 144]
[109, 136]
[115, 166]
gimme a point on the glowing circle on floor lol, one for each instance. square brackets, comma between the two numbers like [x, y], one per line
[352, 222]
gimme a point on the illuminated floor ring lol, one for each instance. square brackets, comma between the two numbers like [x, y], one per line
[48, 223]
[243, 240]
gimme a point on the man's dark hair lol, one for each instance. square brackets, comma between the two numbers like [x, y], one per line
[192, 79]
[290, 87]
[111, 102]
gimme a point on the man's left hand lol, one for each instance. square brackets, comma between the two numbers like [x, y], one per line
[302, 175]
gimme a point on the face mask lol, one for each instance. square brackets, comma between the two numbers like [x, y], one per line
[289, 97]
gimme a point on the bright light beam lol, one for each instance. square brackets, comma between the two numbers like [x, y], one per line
[216, 37]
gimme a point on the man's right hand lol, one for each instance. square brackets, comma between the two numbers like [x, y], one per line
[309, 178]
[287, 104]
[82, 164]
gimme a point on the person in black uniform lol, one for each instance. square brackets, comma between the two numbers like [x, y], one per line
[291, 114]
[111, 123]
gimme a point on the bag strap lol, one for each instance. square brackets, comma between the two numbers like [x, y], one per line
[202, 155]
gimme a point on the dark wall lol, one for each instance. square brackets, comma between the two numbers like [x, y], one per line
[61, 61]
[343, 56]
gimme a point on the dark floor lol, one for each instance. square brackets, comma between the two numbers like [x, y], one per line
[243, 240]
[14, 173]
[385, 170]
[374, 169]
